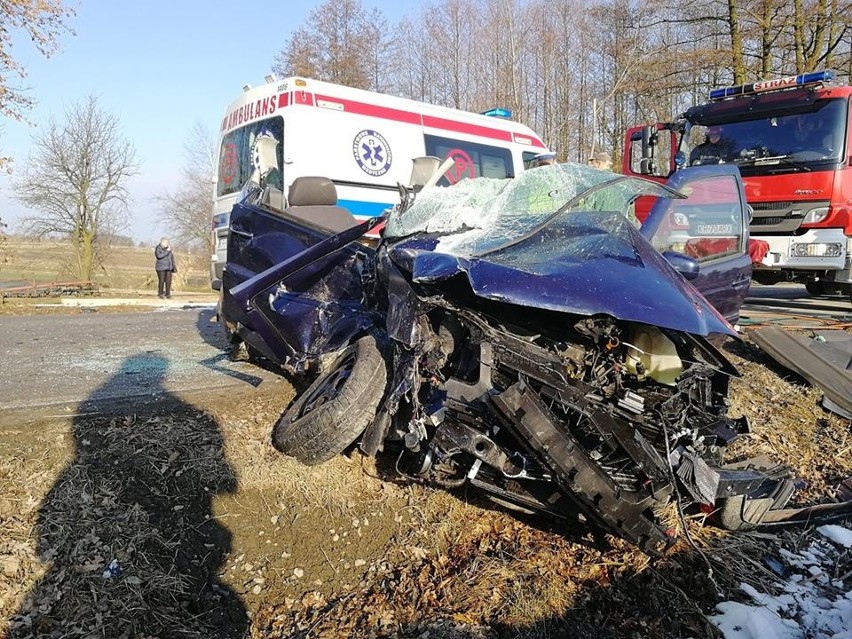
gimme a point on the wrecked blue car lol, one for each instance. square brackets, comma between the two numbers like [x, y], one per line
[526, 337]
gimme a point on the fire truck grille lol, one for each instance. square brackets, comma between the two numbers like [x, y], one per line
[771, 206]
[765, 221]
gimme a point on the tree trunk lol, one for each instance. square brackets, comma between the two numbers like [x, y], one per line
[766, 38]
[818, 46]
[799, 35]
[86, 254]
[737, 61]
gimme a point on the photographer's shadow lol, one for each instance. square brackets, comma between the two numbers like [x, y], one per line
[127, 532]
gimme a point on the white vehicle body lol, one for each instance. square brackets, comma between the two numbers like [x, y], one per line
[363, 141]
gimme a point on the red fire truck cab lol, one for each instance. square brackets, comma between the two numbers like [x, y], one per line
[790, 139]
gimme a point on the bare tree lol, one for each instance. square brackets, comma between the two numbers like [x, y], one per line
[579, 72]
[42, 21]
[74, 181]
[187, 209]
[4, 245]
[342, 44]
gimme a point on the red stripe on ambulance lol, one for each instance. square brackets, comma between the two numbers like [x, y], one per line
[385, 113]
[267, 106]
[410, 117]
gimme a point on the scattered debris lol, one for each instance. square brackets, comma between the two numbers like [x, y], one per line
[825, 361]
[51, 289]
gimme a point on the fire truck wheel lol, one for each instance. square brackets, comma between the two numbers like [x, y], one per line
[815, 288]
[336, 408]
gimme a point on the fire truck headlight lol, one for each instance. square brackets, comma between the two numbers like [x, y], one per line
[830, 249]
[815, 216]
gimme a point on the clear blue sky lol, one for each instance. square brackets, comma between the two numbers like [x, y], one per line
[160, 66]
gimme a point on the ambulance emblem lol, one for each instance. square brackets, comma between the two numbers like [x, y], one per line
[372, 152]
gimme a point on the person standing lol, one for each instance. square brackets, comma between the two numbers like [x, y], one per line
[165, 266]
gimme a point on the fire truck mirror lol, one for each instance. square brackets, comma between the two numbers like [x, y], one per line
[648, 166]
[649, 141]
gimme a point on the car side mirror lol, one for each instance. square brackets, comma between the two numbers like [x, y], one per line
[683, 264]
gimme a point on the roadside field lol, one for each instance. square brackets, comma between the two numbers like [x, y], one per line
[124, 268]
[184, 521]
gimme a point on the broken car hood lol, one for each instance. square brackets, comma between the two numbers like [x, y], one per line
[587, 263]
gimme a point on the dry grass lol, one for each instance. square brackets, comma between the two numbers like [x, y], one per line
[134, 493]
[788, 423]
[123, 267]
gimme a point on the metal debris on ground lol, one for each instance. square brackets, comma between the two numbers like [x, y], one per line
[825, 361]
[52, 289]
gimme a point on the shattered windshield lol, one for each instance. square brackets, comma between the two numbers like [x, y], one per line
[478, 216]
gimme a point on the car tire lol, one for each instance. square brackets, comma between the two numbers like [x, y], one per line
[336, 408]
[816, 288]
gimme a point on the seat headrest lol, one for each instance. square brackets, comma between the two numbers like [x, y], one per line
[312, 191]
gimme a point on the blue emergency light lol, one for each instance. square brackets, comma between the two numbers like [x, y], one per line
[498, 113]
[804, 79]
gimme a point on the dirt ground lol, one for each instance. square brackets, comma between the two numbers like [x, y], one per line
[183, 521]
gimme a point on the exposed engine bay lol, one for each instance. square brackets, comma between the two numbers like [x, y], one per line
[613, 409]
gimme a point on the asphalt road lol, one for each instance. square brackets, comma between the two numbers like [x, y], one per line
[80, 363]
[793, 298]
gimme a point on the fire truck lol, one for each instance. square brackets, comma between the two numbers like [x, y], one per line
[790, 139]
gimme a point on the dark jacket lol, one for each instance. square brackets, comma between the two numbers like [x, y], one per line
[165, 259]
[709, 153]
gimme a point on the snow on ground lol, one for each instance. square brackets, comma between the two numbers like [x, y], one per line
[815, 603]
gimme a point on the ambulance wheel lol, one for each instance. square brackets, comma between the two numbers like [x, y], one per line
[336, 407]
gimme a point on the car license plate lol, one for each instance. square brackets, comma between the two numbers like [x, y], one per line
[714, 229]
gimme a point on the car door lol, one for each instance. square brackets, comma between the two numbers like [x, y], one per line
[710, 226]
[290, 288]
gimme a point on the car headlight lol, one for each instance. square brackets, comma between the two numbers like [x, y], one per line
[815, 216]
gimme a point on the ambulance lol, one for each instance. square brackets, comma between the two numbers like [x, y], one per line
[363, 141]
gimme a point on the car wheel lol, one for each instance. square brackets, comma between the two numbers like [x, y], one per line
[815, 288]
[336, 407]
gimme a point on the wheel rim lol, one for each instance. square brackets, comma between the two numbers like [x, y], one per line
[330, 387]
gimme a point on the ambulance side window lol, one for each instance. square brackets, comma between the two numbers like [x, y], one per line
[471, 159]
[255, 145]
[529, 158]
